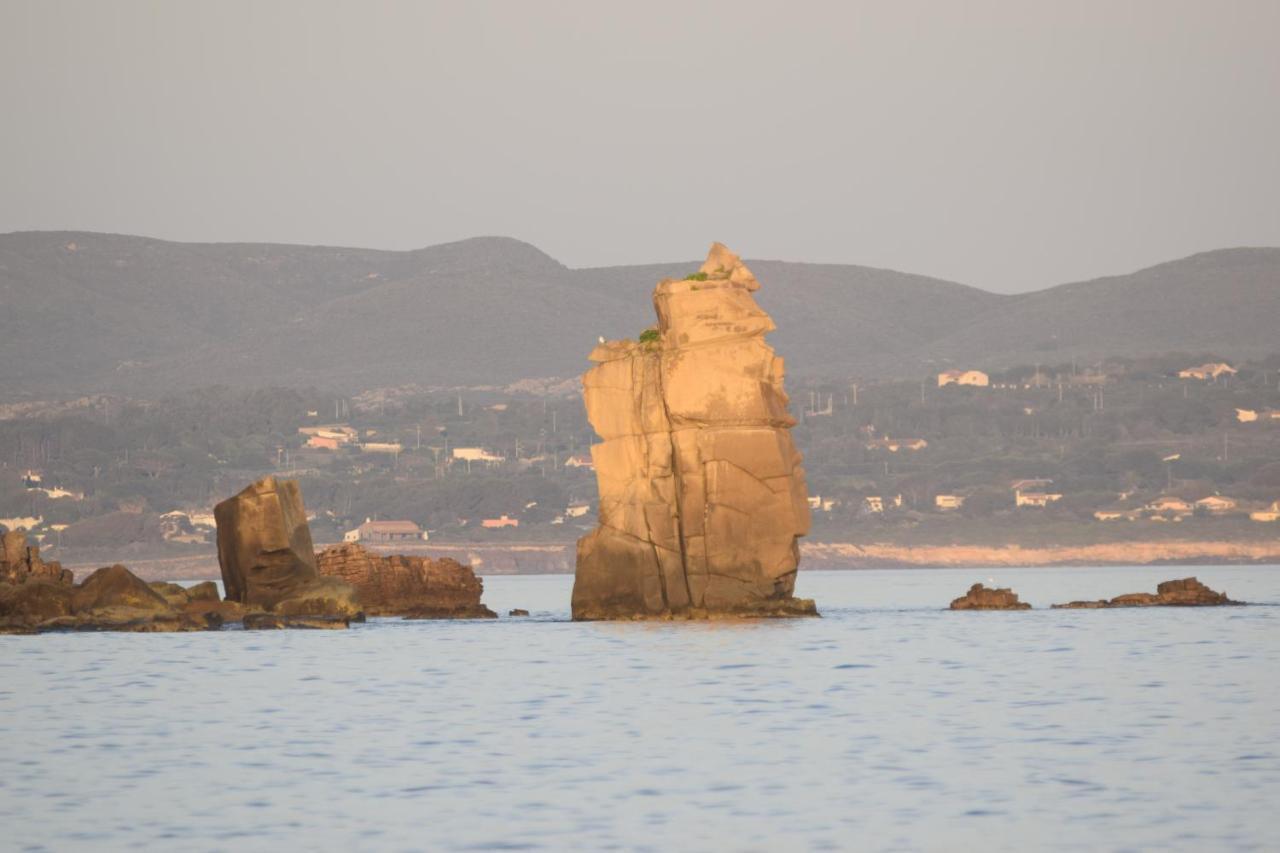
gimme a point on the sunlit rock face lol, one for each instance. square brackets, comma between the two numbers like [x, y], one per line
[702, 496]
[266, 555]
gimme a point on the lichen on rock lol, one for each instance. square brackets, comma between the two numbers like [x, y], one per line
[702, 495]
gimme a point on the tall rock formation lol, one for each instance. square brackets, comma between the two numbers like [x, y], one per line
[702, 496]
[266, 555]
[414, 587]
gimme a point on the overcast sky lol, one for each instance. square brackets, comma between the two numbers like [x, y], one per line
[1006, 145]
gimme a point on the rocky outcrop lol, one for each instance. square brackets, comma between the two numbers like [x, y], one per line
[266, 555]
[702, 496]
[980, 597]
[20, 562]
[110, 599]
[416, 587]
[1187, 592]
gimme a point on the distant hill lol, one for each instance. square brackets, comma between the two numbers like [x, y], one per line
[82, 312]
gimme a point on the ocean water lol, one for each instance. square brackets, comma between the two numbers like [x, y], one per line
[889, 724]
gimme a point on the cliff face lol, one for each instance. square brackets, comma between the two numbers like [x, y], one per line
[702, 496]
[416, 587]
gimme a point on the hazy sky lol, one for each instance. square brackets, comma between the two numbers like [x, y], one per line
[1007, 145]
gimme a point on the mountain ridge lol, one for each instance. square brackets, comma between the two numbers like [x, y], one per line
[85, 311]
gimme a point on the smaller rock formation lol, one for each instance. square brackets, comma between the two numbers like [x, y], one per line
[980, 597]
[413, 587]
[20, 562]
[266, 555]
[110, 599]
[1187, 592]
[518, 611]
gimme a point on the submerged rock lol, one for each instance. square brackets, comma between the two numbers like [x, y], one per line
[1186, 592]
[275, 621]
[702, 496]
[980, 597]
[415, 587]
[267, 559]
[517, 611]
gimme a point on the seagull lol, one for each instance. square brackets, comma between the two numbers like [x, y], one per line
[601, 339]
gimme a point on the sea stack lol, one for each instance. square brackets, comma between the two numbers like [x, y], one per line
[267, 559]
[702, 496]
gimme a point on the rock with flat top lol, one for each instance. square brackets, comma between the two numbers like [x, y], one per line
[397, 585]
[702, 496]
[1186, 592]
[20, 562]
[267, 559]
[980, 597]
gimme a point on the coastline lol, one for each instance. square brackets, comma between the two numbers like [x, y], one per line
[539, 558]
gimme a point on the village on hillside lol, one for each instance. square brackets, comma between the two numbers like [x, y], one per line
[1125, 448]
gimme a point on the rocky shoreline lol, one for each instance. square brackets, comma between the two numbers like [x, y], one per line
[1186, 592]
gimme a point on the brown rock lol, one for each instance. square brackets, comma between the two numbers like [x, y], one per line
[24, 606]
[518, 612]
[1187, 592]
[171, 592]
[20, 562]
[266, 555]
[111, 599]
[205, 591]
[415, 587]
[980, 597]
[116, 587]
[702, 496]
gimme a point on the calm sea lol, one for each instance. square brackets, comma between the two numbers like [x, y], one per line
[889, 724]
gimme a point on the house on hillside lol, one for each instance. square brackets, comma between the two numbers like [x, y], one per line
[392, 447]
[1210, 370]
[500, 521]
[1115, 514]
[385, 531]
[1216, 504]
[1035, 499]
[946, 503]
[964, 377]
[1271, 513]
[329, 436]
[1168, 503]
[1246, 416]
[577, 510]
[893, 445]
[580, 460]
[821, 504]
